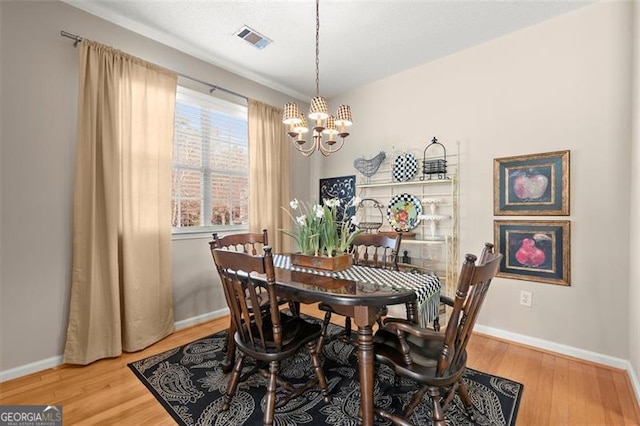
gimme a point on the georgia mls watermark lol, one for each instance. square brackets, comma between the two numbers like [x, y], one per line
[30, 415]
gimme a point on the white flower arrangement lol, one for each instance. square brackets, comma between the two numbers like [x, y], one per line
[319, 233]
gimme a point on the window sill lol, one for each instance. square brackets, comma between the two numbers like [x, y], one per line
[202, 232]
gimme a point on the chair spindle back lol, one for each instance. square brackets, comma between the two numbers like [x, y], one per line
[249, 242]
[376, 250]
[473, 284]
[237, 271]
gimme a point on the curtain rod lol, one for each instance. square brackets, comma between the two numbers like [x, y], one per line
[212, 87]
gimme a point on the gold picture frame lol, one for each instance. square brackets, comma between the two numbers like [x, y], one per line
[531, 185]
[534, 250]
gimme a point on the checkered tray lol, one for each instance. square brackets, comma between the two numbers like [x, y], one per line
[426, 287]
[404, 167]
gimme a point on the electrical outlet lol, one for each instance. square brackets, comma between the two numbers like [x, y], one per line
[525, 298]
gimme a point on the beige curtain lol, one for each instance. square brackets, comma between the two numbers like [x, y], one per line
[269, 173]
[121, 296]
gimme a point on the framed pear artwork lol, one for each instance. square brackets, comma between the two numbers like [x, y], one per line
[531, 185]
[534, 250]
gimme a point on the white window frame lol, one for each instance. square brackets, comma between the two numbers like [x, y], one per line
[240, 111]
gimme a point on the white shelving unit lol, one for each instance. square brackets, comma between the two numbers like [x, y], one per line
[438, 253]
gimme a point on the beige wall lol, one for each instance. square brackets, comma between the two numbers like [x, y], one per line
[634, 246]
[562, 84]
[39, 78]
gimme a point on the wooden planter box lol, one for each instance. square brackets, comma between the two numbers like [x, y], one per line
[335, 263]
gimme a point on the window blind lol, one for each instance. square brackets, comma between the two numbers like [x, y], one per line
[210, 163]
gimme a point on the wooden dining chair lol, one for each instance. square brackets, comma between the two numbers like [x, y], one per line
[268, 338]
[438, 360]
[251, 243]
[372, 250]
[376, 250]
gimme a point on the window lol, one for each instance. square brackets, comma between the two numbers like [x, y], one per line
[210, 164]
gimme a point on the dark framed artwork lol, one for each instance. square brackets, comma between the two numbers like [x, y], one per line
[534, 250]
[531, 185]
[343, 188]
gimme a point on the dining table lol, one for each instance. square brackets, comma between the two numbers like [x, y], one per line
[361, 293]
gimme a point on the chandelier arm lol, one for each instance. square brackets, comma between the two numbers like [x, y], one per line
[306, 152]
[330, 149]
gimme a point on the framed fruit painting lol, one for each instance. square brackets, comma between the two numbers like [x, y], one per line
[536, 184]
[534, 250]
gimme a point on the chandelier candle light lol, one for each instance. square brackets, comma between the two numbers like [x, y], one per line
[324, 124]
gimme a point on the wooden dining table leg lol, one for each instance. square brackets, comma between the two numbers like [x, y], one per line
[364, 317]
[365, 362]
[412, 312]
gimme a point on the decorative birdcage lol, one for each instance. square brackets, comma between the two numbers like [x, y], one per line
[434, 161]
[367, 203]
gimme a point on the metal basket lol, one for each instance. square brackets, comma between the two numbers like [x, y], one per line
[434, 164]
[368, 203]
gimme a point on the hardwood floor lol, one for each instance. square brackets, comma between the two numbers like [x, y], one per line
[557, 390]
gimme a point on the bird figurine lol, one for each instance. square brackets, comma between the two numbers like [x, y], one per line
[369, 167]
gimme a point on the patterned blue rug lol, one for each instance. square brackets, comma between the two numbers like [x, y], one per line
[189, 383]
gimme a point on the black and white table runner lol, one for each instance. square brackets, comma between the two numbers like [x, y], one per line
[426, 287]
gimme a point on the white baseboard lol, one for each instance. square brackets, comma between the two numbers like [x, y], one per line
[554, 347]
[201, 318]
[34, 367]
[56, 361]
[566, 350]
[635, 384]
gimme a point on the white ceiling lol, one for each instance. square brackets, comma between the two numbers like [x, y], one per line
[360, 41]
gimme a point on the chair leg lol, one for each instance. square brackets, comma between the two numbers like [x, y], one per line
[396, 380]
[316, 353]
[323, 334]
[417, 397]
[325, 327]
[437, 412]
[232, 383]
[229, 349]
[294, 307]
[347, 327]
[436, 324]
[463, 391]
[270, 404]
[379, 322]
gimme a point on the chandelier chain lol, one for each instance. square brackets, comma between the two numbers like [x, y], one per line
[317, 47]
[326, 128]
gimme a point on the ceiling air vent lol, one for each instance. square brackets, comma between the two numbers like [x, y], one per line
[253, 37]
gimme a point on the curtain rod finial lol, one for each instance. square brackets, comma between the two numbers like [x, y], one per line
[76, 39]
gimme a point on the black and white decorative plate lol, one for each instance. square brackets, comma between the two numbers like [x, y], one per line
[403, 211]
[404, 167]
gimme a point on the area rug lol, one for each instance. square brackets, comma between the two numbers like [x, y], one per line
[189, 383]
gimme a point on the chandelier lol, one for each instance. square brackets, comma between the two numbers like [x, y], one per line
[326, 127]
